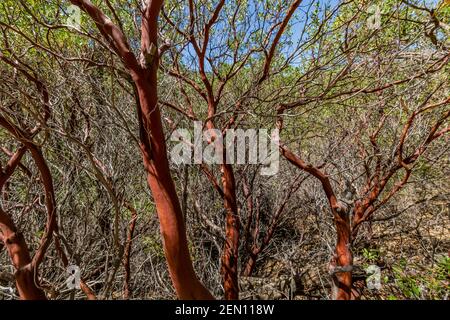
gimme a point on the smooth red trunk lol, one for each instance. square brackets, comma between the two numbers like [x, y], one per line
[152, 141]
[28, 285]
[231, 247]
[172, 226]
[26, 277]
[342, 261]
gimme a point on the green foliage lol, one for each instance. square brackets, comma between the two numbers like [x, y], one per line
[431, 283]
[371, 255]
[152, 245]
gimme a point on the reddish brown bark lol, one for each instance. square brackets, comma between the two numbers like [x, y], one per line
[342, 262]
[166, 200]
[26, 267]
[253, 214]
[212, 95]
[13, 163]
[229, 259]
[229, 266]
[152, 143]
[155, 159]
[26, 274]
[230, 252]
[273, 47]
[26, 278]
